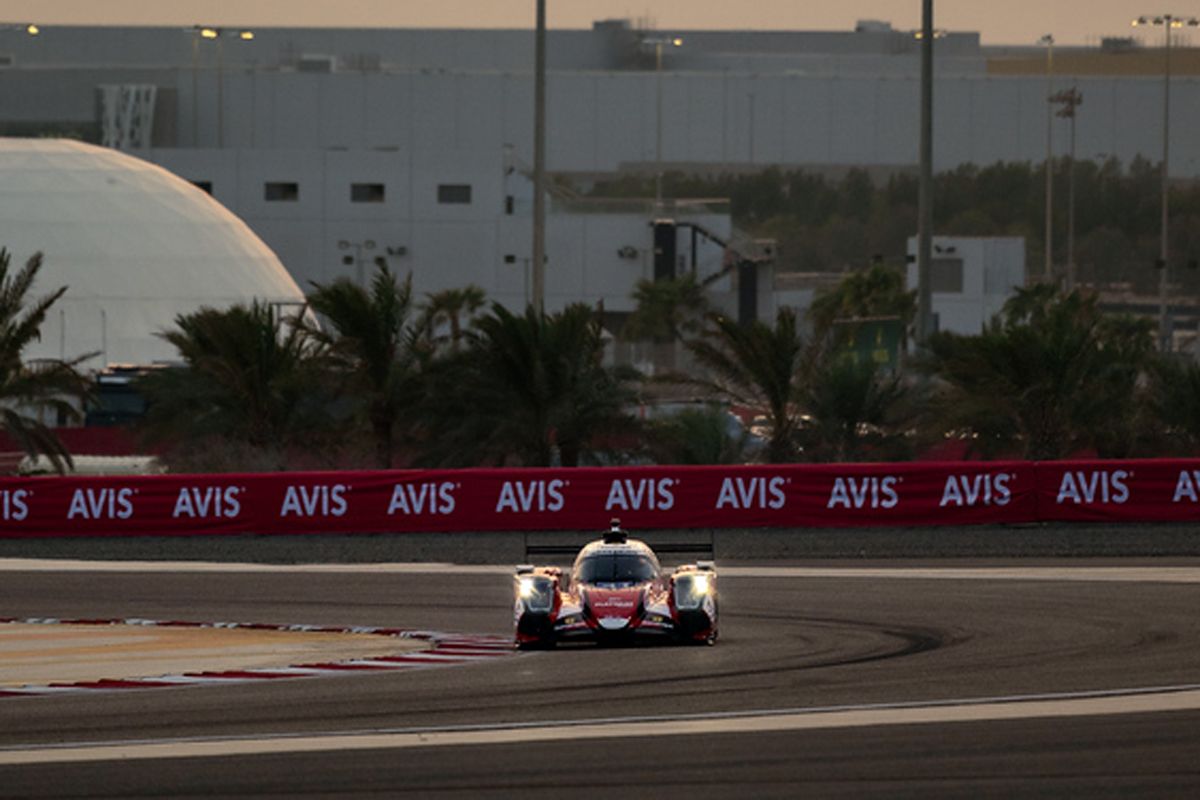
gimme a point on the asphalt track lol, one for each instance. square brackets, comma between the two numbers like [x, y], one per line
[826, 682]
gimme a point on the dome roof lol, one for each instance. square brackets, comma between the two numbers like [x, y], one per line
[135, 245]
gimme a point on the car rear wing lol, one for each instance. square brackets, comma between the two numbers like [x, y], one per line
[695, 544]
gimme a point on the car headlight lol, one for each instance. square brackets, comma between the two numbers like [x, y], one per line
[536, 593]
[691, 589]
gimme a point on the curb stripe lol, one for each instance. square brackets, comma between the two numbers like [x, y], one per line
[446, 649]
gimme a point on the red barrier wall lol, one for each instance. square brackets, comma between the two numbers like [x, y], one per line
[794, 495]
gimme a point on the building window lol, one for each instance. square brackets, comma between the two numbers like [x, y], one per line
[509, 204]
[946, 275]
[456, 193]
[204, 186]
[281, 192]
[367, 193]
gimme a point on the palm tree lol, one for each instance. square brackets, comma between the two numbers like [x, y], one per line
[877, 292]
[526, 386]
[705, 435]
[666, 311]
[450, 306]
[46, 385]
[375, 347]
[853, 410]
[249, 377]
[1174, 394]
[1049, 376]
[873, 292]
[760, 367]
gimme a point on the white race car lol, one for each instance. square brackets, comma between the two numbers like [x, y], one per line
[615, 591]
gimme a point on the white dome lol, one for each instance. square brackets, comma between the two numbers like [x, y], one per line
[135, 245]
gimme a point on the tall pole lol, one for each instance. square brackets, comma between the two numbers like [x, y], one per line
[1071, 276]
[750, 99]
[539, 161]
[1164, 331]
[1048, 264]
[195, 91]
[220, 93]
[658, 111]
[925, 188]
[1070, 99]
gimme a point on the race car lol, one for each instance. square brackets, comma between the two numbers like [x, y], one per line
[615, 591]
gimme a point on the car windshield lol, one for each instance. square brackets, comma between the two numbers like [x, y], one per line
[616, 568]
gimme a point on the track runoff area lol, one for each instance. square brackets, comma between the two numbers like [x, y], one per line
[114, 655]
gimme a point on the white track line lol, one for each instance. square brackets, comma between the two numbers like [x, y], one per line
[1132, 701]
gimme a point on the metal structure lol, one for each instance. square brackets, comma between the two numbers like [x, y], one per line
[925, 323]
[1048, 267]
[127, 115]
[1069, 99]
[1168, 22]
[659, 42]
[539, 161]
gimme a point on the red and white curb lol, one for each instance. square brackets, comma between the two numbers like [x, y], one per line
[446, 649]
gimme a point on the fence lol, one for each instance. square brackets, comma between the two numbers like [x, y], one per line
[781, 496]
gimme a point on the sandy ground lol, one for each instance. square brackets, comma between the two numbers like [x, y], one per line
[41, 654]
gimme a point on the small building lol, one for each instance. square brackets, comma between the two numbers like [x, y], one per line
[971, 278]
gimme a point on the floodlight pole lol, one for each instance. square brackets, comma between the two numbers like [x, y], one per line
[539, 161]
[1168, 21]
[925, 186]
[1048, 265]
[1164, 316]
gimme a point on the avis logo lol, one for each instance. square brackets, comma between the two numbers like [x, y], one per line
[1091, 487]
[745, 493]
[315, 501]
[645, 493]
[868, 492]
[101, 504]
[1186, 486]
[531, 496]
[986, 489]
[213, 502]
[14, 505]
[422, 498]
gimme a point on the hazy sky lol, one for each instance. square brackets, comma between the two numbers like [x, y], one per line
[1009, 22]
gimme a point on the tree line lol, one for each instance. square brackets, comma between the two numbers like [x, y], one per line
[374, 376]
[826, 224]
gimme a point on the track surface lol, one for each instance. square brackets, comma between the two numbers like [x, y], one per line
[786, 643]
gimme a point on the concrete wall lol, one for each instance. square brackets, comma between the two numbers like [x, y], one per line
[443, 245]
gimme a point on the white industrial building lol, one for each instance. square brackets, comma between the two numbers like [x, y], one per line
[970, 278]
[339, 147]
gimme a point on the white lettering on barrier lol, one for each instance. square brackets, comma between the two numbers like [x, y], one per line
[870, 491]
[746, 493]
[983, 489]
[643, 494]
[13, 504]
[312, 501]
[210, 502]
[423, 498]
[525, 496]
[1185, 486]
[1100, 486]
[101, 504]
